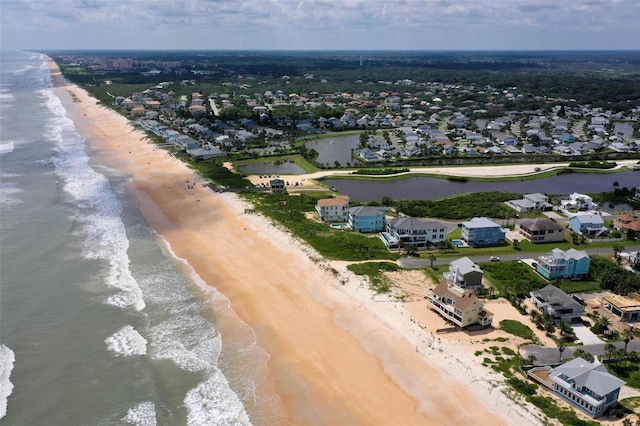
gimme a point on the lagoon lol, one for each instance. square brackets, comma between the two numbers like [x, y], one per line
[425, 188]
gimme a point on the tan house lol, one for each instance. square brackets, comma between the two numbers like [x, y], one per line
[333, 209]
[626, 309]
[540, 230]
[459, 306]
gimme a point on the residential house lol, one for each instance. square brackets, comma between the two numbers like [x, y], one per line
[540, 230]
[626, 223]
[481, 231]
[277, 186]
[587, 386]
[531, 202]
[422, 234]
[333, 209]
[578, 201]
[588, 224]
[366, 219]
[464, 273]
[458, 305]
[556, 303]
[572, 264]
[625, 308]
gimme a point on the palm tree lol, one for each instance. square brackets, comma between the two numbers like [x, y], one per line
[561, 349]
[581, 353]
[432, 258]
[617, 249]
[610, 349]
[628, 336]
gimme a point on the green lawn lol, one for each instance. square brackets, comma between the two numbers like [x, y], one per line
[517, 329]
[513, 278]
[627, 371]
[331, 243]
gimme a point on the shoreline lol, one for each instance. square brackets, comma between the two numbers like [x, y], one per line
[336, 353]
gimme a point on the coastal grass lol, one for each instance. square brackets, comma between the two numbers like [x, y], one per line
[338, 244]
[626, 370]
[513, 278]
[216, 172]
[509, 366]
[374, 272]
[517, 329]
[631, 404]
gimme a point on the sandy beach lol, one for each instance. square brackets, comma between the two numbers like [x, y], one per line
[337, 354]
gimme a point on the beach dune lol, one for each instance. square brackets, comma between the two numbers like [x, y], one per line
[331, 358]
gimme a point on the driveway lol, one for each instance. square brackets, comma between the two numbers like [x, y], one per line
[585, 335]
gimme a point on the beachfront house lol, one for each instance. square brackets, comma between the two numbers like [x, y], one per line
[464, 273]
[571, 264]
[334, 209]
[625, 308]
[587, 386]
[459, 306]
[540, 230]
[481, 231]
[588, 224]
[531, 202]
[366, 219]
[422, 234]
[556, 303]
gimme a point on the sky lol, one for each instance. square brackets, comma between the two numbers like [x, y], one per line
[320, 24]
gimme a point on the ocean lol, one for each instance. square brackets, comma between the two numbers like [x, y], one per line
[100, 324]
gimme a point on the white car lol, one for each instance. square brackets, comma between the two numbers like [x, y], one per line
[494, 259]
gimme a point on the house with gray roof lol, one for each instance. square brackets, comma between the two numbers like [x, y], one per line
[571, 264]
[556, 303]
[420, 233]
[481, 231]
[464, 273]
[531, 202]
[586, 386]
[366, 219]
[540, 230]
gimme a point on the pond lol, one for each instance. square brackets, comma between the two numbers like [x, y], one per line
[335, 149]
[424, 188]
[272, 168]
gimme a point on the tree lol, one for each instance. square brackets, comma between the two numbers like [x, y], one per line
[617, 249]
[561, 349]
[432, 258]
[410, 249]
[602, 325]
[581, 353]
[565, 328]
[610, 349]
[516, 244]
[627, 337]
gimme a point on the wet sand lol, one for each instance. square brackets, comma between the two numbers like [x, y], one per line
[333, 358]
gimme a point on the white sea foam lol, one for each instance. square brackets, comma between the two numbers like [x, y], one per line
[210, 403]
[143, 414]
[6, 148]
[7, 359]
[100, 208]
[127, 342]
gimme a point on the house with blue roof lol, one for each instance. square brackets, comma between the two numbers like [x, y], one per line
[482, 231]
[587, 386]
[366, 219]
[572, 264]
[588, 224]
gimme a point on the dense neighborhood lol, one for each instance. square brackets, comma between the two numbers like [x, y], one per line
[409, 122]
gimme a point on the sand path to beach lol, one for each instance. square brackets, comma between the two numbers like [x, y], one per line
[332, 360]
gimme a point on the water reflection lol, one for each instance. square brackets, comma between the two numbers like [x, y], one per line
[424, 188]
[272, 168]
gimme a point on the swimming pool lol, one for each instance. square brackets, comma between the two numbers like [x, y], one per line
[458, 243]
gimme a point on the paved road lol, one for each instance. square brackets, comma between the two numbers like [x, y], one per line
[545, 355]
[412, 263]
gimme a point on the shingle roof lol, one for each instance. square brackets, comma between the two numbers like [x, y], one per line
[366, 211]
[538, 224]
[415, 224]
[462, 301]
[464, 265]
[592, 376]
